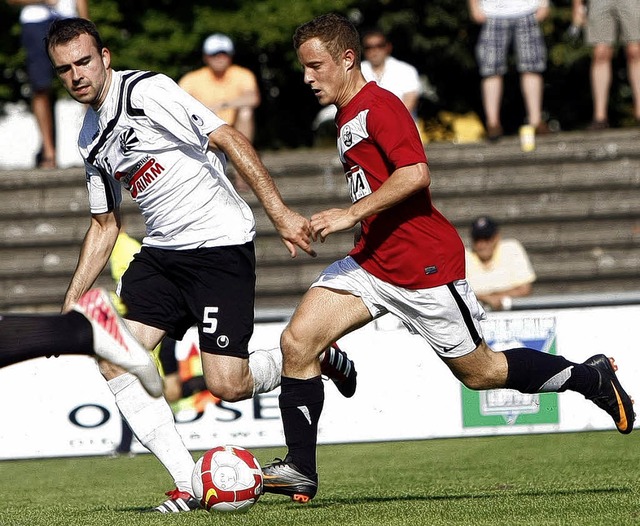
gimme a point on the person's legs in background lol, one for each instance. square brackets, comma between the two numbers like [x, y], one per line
[40, 74]
[601, 84]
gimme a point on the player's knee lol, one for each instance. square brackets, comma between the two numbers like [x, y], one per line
[298, 351]
[228, 390]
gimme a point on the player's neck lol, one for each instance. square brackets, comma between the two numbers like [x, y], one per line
[351, 88]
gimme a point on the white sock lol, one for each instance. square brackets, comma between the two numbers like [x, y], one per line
[266, 368]
[152, 421]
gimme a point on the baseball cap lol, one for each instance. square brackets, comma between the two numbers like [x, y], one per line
[483, 227]
[217, 43]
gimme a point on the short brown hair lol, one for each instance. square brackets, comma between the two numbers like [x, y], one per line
[64, 30]
[334, 31]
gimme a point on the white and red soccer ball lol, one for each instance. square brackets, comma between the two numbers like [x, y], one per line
[227, 478]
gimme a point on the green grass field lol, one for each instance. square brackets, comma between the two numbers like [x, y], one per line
[563, 479]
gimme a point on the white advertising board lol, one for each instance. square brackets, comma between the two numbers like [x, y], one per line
[62, 406]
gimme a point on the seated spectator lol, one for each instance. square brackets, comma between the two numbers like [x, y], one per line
[229, 90]
[396, 76]
[497, 269]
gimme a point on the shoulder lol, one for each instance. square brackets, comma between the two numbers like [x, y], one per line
[240, 72]
[401, 66]
[512, 246]
[193, 76]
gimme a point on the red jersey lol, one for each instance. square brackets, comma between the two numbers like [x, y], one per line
[411, 245]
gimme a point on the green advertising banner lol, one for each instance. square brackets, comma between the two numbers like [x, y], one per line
[506, 407]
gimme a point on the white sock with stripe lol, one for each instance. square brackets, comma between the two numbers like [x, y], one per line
[152, 421]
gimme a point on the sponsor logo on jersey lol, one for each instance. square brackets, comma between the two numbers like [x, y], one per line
[358, 185]
[143, 174]
[352, 132]
[128, 140]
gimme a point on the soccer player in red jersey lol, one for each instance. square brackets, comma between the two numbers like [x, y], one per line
[409, 261]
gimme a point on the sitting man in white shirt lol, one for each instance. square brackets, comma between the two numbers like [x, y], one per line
[497, 269]
[396, 76]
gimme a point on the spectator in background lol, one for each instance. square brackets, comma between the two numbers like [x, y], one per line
[497, 269]
[229, 90]
[516, 21]
[399, 77]
[606, 21]
[35, 18]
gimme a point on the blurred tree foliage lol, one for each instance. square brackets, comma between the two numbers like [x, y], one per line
[436, 36]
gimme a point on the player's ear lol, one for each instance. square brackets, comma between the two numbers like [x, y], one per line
[106, 57]
[349, 58]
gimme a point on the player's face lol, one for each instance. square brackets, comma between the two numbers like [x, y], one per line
[327, 80]
[83, 69]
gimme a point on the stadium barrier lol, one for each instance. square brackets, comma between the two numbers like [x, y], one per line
[62, 407]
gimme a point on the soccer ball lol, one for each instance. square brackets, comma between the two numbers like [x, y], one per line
[227, 478]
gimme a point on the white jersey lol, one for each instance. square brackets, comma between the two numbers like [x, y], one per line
[151, 137]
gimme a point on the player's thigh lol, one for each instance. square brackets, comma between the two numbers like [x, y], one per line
[148, 336]
[448, 316]
[481, 369]
[322, 317]
[151, 297]
[220, 294]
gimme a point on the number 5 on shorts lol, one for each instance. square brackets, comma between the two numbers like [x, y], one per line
[209, 320]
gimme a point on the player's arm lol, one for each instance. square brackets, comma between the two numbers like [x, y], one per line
[293, 228]
[94, 254]
[403, 183]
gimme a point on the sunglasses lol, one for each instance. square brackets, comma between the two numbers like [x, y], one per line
[381, 45]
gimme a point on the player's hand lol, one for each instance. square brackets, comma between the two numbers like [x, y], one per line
[330, 221]
[295, 231]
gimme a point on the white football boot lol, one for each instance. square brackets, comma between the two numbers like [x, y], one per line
[113, 341]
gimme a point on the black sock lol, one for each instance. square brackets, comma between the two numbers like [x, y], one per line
[23, 337]
[301, 403]
[533, 371]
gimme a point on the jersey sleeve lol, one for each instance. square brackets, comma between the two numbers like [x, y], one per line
[166, 104]
[392, 127]
[105, 193]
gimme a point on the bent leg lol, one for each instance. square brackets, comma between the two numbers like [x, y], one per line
[323, 316]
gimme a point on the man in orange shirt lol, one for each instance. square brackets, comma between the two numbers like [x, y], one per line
[229, 90]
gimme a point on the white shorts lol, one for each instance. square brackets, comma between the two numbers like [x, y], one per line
[447, 317]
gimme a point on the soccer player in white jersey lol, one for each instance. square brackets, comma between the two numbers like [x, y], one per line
[197, 263]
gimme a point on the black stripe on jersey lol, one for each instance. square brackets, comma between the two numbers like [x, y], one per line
[112, 123]
[136, 112]
[466, 314]
[108, 190]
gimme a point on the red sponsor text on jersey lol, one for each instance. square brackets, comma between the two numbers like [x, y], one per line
[142, 178]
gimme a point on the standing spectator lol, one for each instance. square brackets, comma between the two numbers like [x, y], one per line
[409, 262]
[497, 269]
[35, 18]
[504, 23]
[607, 21]
[399, 77]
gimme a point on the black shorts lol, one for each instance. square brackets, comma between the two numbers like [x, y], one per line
[213, 288]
